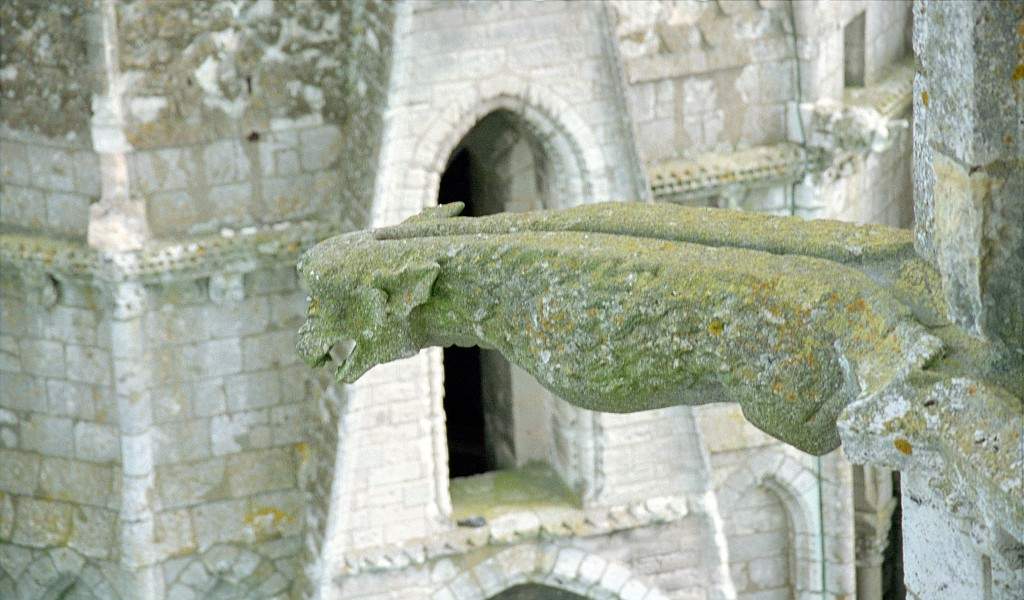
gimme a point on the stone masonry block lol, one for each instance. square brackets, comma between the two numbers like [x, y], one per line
[209, 397]
[260, 471]
[276, 514]
[173, 533]
[51, 168]
[319, 147]
[41, 523]
[615, 576]
[269, 350]
[68, 213]
[68, 398]
[215, 358]
[225, 162]
[76, 481]
[191, 483]
[19, 472]
[22, 391]
[22, 207]
[218, 522]
[43, 358]
[92, 531]
[48, 435]
[162, 170]
[88, 364]
[96, 442]
[253, 390]
[247, 430]
[181, 441]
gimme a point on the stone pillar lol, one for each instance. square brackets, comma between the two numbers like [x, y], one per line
[969, 160]
[873, 507]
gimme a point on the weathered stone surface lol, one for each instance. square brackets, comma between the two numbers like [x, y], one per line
[969, 161]
[634, 307]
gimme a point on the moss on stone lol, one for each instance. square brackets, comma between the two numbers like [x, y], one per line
[615, 308]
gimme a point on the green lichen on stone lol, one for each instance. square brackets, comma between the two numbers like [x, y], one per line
[623, 308]
[492, 494]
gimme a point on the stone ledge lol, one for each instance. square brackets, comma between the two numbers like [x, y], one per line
[891, 96]
[513, 528]
[231, 251]
[776, 164]
[710, 174]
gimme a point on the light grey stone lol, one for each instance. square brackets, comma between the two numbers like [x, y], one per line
[41, 523]
[97, 442]
[76, 481]
[220, 522]
[189, 484]
[260, 471]
[248, 430]
[71, 399]
[19, 472]
[182, 441]
[88, 364]
[93, 532]
[253, 390]
[225, 162]
[43, 358]
[68, 213]
[52, 436]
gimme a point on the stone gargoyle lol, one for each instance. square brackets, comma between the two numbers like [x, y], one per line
[627, 307]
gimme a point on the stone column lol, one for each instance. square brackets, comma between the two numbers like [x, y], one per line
[874, 504]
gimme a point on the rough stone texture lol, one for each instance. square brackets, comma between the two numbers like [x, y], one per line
[969, 174]
[642, 312]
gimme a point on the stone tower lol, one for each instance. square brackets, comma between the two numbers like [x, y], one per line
[163, 164]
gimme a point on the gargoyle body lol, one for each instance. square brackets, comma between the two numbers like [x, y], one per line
[622, 308]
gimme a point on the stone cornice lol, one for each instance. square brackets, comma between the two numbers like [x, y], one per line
[891, 96]
[712, 173]
[544, 523]
[198, 256]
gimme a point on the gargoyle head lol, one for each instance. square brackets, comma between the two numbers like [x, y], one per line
[362, 293]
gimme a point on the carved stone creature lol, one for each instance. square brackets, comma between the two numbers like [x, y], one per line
[628, 307]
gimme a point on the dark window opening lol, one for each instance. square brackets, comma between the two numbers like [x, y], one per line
[463, 406]
[853, 52]
[892, 565]
[535, 591]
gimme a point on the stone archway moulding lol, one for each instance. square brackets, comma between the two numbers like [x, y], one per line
[563, 135]
[565, 568]
[794, 484]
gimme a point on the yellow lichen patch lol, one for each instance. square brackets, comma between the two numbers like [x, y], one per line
[924, 97]
[1018, 73]
[903, 446]
[302, 449]
[267, 520]
[716, 327]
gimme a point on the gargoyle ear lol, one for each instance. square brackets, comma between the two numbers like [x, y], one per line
[409, 286]
[441, 211]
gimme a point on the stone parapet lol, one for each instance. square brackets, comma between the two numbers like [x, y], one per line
[158, 262]
[540, 524]
[713, 173]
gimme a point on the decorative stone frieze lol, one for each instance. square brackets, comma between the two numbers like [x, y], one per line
[518, 527]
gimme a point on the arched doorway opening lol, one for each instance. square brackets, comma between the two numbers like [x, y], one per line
[535, 591]
[497, 415]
